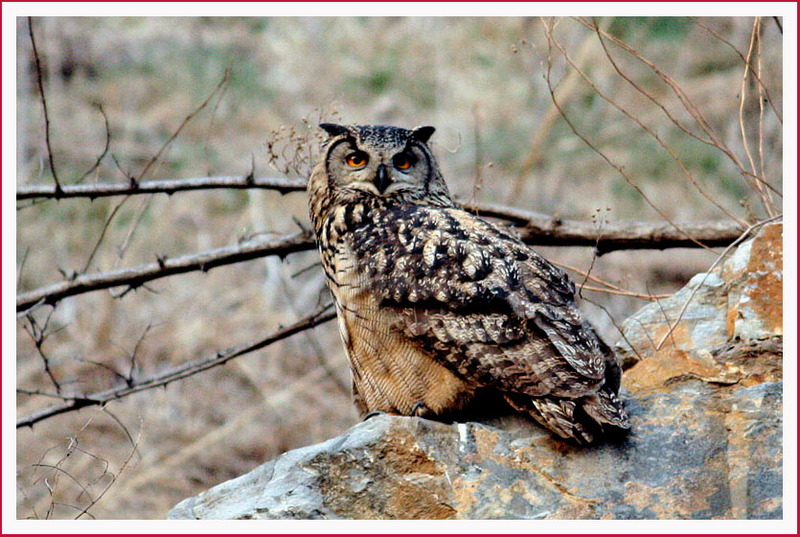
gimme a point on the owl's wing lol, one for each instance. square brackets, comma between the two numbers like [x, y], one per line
[480, 301]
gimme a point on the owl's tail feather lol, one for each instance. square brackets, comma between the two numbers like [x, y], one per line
[582, 420]
[605, 408]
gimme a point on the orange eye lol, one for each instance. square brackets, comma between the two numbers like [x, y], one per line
[401, 162]
[356, 160]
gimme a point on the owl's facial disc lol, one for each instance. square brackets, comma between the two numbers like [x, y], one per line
[380, 163]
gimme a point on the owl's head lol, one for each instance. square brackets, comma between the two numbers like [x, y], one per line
[382, 161]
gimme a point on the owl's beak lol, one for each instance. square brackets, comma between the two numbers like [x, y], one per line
[381, 180]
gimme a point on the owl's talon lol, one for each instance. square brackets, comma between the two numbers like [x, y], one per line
[373, 414]
[420, 410]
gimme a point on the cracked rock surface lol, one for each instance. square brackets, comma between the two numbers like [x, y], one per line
[706, 410]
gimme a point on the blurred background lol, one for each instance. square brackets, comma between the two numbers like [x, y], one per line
[688, 110]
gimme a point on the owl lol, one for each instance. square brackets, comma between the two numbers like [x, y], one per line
[439, 309]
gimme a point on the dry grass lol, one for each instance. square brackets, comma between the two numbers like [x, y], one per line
[479, 81]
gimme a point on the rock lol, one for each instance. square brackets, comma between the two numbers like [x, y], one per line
[706, 412]
[740, 300]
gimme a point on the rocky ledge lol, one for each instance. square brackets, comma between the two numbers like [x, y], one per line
[706, 404]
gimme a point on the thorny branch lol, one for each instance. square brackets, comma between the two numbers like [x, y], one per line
[534, 229]
[72, 403]
[137, 276]
[38, 335]
[168, 186]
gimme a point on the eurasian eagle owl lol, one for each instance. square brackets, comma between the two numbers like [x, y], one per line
[437, 306]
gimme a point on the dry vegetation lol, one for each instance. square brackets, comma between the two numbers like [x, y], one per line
[695, 135]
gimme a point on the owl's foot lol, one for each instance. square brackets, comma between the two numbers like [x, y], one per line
[421, 410]
[373, 414]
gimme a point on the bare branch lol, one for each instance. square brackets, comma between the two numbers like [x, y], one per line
[71, 404]
[163, 267]
[168, 186]
[543, 230]
[534, 229]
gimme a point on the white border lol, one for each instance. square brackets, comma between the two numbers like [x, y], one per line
[10, 11]
[399, 9]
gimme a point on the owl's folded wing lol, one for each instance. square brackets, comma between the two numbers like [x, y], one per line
[482, 302]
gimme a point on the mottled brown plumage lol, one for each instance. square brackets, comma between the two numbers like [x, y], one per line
[435, 304]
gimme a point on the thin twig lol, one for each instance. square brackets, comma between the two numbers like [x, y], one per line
[186, 120]
[544, 127]
[22, 266]
[743, 97]
[477, 184]
[688, 105]
[757, 184]
[99, 241]
[123, 466]
[644, 127]
[103, 154]
[741, 238]
[44, 108]
[140, 212]
[744, 60]
[766, 197]
[211, 120]
[608, 287]
[73, 403]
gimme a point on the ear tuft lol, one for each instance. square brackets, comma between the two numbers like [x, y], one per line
[333, 129]
[422, 134]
